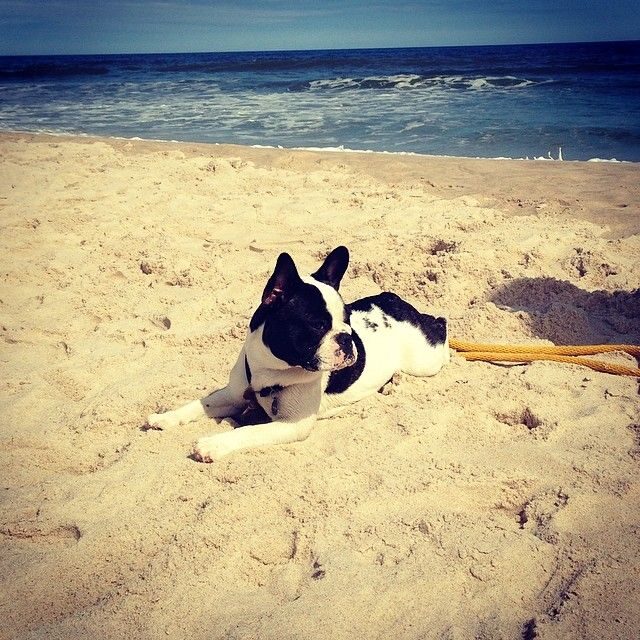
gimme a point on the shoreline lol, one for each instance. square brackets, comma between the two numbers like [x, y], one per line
[486, 501]
[338, 149]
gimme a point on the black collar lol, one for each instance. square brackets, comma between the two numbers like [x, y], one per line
[265, 391]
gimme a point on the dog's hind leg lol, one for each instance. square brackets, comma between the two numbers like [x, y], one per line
[426, 349]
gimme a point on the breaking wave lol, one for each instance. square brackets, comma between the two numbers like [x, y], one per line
[414, 81]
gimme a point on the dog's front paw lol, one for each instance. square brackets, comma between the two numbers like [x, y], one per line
[160, 421]
[210, 448]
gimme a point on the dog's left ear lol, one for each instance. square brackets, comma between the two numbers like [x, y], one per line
[281, 285]
[333, 267]
[282, 282]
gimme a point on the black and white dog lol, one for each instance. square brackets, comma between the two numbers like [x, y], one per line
[308, 354]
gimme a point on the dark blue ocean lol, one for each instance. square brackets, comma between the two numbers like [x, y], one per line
[492, 101]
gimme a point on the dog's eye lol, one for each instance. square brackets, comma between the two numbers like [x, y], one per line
[304, 343]
[320, 326]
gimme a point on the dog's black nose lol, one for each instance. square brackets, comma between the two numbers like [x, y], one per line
[345, 342]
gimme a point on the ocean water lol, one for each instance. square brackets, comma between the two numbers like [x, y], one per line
[493, 101]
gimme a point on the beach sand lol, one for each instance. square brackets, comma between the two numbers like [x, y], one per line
[486, 502]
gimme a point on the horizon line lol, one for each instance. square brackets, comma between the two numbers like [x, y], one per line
[297, 50]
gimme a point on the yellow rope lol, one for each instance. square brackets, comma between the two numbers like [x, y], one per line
[567, 354]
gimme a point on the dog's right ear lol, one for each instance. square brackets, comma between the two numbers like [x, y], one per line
[333, 268]
[282, 281]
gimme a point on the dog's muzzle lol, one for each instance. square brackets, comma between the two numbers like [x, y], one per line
[345, 355]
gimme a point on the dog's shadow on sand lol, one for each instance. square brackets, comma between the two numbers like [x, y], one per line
[559, 311]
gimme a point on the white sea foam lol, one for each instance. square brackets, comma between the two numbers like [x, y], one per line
[411, 126]
[335, 83]
[414, 81]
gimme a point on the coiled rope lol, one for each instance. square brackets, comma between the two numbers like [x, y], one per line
[570, 354]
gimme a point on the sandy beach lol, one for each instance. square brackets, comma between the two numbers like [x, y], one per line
[487, 502]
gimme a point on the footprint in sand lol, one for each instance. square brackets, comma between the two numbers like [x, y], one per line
[64, 535]
[537, 514]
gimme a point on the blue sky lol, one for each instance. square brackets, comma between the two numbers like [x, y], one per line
[122, 26]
